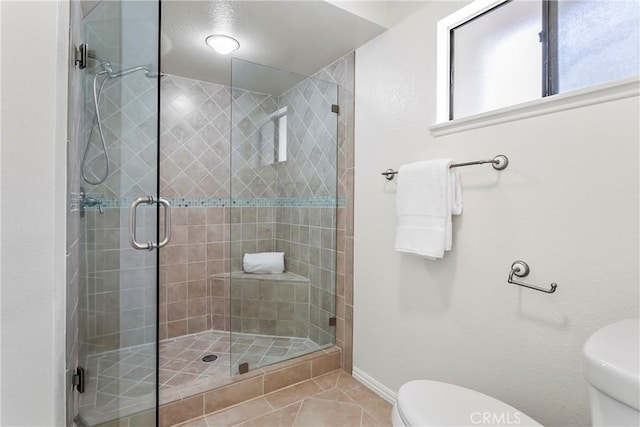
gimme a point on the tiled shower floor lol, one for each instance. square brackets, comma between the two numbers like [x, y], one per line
[121, 382]
[118, 383]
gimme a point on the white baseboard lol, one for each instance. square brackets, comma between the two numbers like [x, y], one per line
[377, 387]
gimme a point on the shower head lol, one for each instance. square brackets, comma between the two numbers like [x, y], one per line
[106, 67]
[128, 71]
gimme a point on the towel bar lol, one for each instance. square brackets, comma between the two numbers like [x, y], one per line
[499, 162]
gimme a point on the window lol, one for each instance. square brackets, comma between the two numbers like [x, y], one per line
[272, 138]
[280, 149]
[497, 53]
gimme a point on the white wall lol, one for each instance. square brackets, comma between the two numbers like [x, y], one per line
[567, 205]
[384, 13]
[0, 215]
[32, 193]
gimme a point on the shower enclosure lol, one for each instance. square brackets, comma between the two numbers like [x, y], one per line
[214, 170]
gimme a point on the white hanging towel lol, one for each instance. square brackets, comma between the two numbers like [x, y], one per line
[428, 194]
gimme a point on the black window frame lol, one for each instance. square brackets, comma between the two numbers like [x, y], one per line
[549, 39]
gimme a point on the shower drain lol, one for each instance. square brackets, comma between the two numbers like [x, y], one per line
[210, 358]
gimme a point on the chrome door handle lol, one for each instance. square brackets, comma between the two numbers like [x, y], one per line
[133, 223]
[167, 222]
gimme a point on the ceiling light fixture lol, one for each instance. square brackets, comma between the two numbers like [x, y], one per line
[222, 44]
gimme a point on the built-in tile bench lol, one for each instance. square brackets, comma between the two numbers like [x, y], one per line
[268, 304]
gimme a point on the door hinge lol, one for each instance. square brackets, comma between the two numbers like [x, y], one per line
[81, 55]
[332, 321]
[335, 108]
[243, 368]
[78, 379]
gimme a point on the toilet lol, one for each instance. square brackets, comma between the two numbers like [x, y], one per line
[611, 366]
[433, 403]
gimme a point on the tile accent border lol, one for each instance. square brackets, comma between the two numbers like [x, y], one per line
[249, 386]
[218, 202]
[74, 201]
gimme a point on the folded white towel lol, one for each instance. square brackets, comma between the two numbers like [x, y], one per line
[263, 262]
[428, 194]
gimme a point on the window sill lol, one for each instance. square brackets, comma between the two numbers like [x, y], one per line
[607, 92]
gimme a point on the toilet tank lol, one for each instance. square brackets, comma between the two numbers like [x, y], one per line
[611, 364]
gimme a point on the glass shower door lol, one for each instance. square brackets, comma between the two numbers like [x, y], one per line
[118, 314]
[283, 215]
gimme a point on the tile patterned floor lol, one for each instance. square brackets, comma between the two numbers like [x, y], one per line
[332, 400]
[119, 382]
[182, 370]
[122, 382]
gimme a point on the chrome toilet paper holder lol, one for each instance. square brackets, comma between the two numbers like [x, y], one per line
[521, 269]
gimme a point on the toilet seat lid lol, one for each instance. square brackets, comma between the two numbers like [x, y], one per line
[433, 403]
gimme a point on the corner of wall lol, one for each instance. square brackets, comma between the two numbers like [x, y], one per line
[34, 162]
[60, 212]
[0, 215]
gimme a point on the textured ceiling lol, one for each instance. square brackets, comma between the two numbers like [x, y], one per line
[297, 36]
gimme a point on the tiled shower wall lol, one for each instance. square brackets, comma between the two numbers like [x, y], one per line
[119, 301]
[189, 302]
[254, 176]
[300, 228]
[308, 234]
[196, 160]
[195, 174]
[101, 279]
[342, 73]
[78, 340]
[118, 296]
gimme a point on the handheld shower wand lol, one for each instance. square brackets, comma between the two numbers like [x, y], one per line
[97, 92]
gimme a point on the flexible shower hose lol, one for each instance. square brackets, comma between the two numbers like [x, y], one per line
[96, 118]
